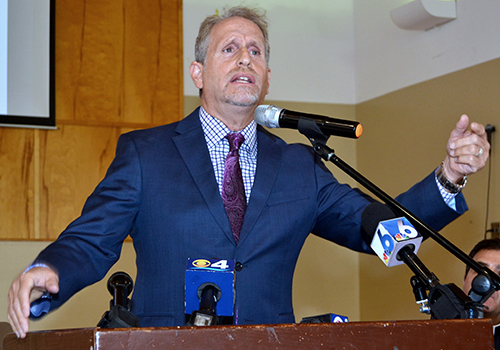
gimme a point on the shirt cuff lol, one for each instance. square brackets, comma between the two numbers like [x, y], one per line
[36, 265]
[449, 198]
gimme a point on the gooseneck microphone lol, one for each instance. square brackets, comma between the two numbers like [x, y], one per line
[272, 116]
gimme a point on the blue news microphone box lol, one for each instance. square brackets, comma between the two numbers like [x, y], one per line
[213, 271]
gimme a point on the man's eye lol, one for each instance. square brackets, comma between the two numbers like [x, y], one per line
[229, 49]
[255, 52]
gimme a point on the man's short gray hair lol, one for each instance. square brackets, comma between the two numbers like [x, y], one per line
[257, 16]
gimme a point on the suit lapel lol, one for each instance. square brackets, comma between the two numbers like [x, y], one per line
[190, 143]
[269, 157]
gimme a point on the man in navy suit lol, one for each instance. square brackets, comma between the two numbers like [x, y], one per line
[164, 190]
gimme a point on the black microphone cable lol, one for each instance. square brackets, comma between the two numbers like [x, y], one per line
[489, 130]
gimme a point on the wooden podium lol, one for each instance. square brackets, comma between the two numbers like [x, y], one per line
[473, 334]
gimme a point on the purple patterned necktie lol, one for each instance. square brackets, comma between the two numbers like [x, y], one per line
[233, 190]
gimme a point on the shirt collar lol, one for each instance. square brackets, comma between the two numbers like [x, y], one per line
[215, 131]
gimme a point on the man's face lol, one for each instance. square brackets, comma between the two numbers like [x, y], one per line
[491, 260]
[235, 70]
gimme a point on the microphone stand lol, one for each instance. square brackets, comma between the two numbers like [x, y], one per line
[444, 301]
[485, 283]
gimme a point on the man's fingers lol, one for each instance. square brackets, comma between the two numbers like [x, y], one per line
[461, 126]
[52, 284]
[472, 150]
[27, 287]
[16, 327]
[27, 293]
[17, 318]
[13, 305]
[468, 144]
[469, 158]
[478, 129]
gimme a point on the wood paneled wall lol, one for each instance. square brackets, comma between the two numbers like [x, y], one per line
[118, 68]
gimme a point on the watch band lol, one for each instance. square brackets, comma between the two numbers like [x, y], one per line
[447, 184]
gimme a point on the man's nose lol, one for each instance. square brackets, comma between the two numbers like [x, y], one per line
[244, 58]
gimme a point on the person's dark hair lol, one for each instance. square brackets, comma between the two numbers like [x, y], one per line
[485, 244]
[257, 16]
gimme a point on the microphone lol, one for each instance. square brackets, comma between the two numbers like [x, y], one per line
[396, 241]
[275, 117]
[209, 291]
[120, 285]
[41, 306]
[326, 318]
[206, 315]
[390, 234]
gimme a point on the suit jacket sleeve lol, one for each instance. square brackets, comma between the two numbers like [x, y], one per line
[91, 244]
[423, 199]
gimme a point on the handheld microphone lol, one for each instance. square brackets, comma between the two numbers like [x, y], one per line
[275, 117]
[391, 234]
[209, 289]
[41, 306]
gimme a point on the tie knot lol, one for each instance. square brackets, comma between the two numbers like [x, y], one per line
[235, 140]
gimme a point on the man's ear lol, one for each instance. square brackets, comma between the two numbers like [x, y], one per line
[196, 70]
[268, 80]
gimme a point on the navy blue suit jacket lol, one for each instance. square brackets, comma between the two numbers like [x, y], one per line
[161, 190]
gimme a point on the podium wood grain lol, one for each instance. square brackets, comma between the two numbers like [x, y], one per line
[400, 335]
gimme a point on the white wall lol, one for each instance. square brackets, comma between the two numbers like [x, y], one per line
[350, 51]
[389, 58]
[312, 47]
